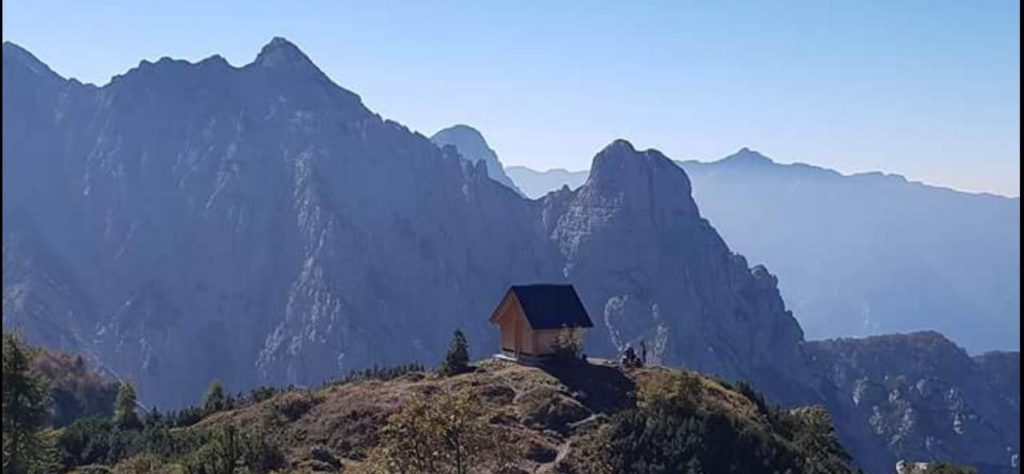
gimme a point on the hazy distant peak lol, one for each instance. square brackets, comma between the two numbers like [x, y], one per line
[747, 156]
[471, 145]
[878, 175]
[536, 184]
[469, 142]
[461, 129]
[549, 170]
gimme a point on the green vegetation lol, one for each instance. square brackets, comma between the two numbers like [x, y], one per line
[94, 441]
[456, 360]
[125, 406]
[76, 391]
[445, 434]
[216, 399]
[568, 344]
[58, 417]
[672, 429]
[380, 373]
[25, 405]
[945, 468]
[498, 417]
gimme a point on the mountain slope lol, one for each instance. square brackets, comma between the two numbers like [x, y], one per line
[259, 224]
[920, 397]
[513, 418]
[232, 219]
[871, 253]
[862, 254]
[472, 146]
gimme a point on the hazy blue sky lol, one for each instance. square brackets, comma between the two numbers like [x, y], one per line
[928, 89]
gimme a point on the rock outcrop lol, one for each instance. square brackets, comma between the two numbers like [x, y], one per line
[919, 396]
[651, 269]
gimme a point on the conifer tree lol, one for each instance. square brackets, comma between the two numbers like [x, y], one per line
[125, 414]
[456, 361]
[25, 411]
[215, 399]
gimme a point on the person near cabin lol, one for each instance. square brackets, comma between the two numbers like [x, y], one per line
[629, 358]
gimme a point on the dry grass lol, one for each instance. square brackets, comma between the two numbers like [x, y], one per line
[541, 409]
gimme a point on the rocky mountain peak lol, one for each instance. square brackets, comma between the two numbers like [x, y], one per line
[669, 269]
[282, 56]
[16, 57]
[646, 175]
[281, 52]
[620, 155]
[215, 60]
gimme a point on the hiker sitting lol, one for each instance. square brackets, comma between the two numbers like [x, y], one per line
[630, 359]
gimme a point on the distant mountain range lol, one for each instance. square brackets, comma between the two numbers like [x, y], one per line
[861, 254]
[536, 184]
[260, 225]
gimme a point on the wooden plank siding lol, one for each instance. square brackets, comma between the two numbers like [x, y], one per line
[517, 337]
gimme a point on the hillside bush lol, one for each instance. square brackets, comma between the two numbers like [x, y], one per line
[445, 434]
[670, 431]
[568, 344]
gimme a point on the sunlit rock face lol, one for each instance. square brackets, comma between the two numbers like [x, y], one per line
[256, 224]
[260, 225]
[654, 271]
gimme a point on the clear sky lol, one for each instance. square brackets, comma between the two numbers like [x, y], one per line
[927, 89]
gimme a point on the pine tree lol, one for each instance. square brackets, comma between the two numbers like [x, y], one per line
[456, 361]
[215, 399]
[25, 411]
[124, 407]
[226, 451]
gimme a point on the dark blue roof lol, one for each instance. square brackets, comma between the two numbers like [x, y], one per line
[552, 306]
